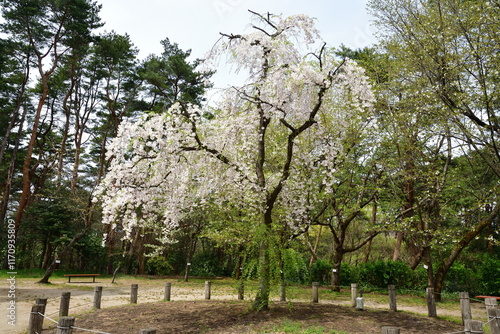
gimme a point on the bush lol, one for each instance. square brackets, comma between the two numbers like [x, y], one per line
[207, 265]
[382, 273]
[295, 267]
[158, 265]
[320, 272]
[348, 274]
[461, 278]
[489, 277]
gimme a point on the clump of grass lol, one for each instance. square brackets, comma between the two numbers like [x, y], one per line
[294, 327]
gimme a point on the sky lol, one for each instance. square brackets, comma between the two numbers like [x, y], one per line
[196, 24]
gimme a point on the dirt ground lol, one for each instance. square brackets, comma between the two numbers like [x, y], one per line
[188, 312]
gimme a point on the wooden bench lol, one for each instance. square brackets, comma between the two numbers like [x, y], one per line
[81, 275]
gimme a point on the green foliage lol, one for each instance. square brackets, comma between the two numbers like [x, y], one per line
[320, 272]
[381, 273]
[348, 274]
[294, 266]
[462, 278]
[207, 264]
[158, 265]
[489, 274]
[92, 253]
[171, 77]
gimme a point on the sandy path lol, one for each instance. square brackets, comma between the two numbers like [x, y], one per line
[82, 294]
[149, 291]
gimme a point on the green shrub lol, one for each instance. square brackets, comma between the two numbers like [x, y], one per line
[295, 267]
[489, 277]
[158, 265]
[207, 264]
[461, 278]
[320, 272]
[348, 274]
[382, 273]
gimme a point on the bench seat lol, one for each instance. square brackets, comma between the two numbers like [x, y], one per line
[81, 275]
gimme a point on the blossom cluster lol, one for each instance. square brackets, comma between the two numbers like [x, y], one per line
[278, 133]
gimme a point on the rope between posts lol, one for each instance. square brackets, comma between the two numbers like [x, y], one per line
[492, 318]
[89, 330]
[46, 317]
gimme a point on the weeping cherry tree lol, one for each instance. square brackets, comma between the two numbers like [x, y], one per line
[249, 150]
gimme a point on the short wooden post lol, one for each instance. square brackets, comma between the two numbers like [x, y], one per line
[65, 325]
[148, 331]
[241, 290]
[97, 297]
[465, 306]
[36, 319]
[490, 303]
[64, 306]
[208, 285]
[168, 290]
[494, 320]
[282, 292]
[390, 330]
[473, 326]
[315, 294]
[431, 303]
[392, 297]
[42, 301]
[133, 293]
[354, 294]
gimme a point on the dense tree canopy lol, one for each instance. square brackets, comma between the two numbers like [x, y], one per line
[324, 158]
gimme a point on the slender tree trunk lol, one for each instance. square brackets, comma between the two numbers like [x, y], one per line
[25, 194]
[48, 256]
[239, 265]
[261, 301]
[189, 257]
[53, 266]
[337, 265]
[446, 264]
[315, 248]
[111, 247]
[397, 247]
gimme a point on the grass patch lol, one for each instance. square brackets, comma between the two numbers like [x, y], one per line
[294, 327]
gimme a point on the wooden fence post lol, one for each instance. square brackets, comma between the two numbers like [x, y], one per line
[490, 303]
[465, 307]
[354, 294]
[473, 326]
[315, 296]
[168, 290]
[282, 292]
[64, 306]
[241, 290]
[36, 319]
[97, 297]
[148, 331]
[390, 330]
[42, 301]
[65, 325]
[133, 293]
[392, 298]
[494, 320]
[207, 289]
[431, 303]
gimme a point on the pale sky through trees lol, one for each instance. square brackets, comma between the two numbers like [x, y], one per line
[195, 24]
